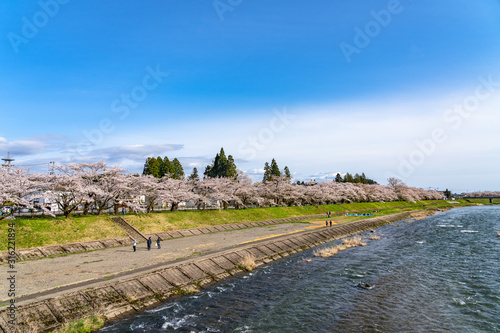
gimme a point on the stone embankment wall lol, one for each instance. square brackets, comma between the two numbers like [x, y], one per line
[117, 298]
[54, 250]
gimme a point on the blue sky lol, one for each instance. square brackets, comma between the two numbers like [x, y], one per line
[78, 83]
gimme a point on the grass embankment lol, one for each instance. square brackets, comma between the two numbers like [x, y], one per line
[33, 232]
[42, 231]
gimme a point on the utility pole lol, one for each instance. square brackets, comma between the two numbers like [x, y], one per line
[51, 167]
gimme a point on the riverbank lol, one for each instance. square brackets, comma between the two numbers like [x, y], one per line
[38, 231]
[438, 274]
[137, 289]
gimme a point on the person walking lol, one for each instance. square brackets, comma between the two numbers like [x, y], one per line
[158, 242]
[330, 223]
[149, 243]
[134, 245]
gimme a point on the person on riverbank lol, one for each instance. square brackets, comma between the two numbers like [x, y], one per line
[330, 223]
[158, 242]
[134, 245]
[149, 243]
[326, 223]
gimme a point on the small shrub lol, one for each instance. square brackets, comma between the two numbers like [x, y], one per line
[248, 262]
[84, 325]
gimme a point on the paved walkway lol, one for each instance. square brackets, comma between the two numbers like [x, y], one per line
[34, 276]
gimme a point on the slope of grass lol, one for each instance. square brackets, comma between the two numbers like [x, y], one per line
[42, 231]
[50, 231]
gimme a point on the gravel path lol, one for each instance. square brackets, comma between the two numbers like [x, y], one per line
[34, 276]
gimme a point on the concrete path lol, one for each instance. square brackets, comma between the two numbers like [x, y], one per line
[34, 276]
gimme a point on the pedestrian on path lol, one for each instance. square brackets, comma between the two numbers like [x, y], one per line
[158, 242]
[134, 245]
[330, 223]
[326, 223]
[149, 243]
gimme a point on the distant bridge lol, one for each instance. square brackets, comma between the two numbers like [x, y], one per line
[490, 198]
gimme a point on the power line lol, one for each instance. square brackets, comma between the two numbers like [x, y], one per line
[30, 165]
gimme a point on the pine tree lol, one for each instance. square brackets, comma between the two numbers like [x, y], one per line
[275, 170]
[363, 178]
[145, 170]
[267, 173]
[177, 170]
[161, 173]
[357, 178]
[222, 166]
[194, 175]
[167, 167]
[287, 173]
[348, 178]
[208, 171]
[231, 171]
[151, 167]
[338, 178]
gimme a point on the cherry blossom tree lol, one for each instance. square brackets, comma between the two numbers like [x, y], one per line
[175, 191]
[19, 189]
[245, 191]
[67, 188]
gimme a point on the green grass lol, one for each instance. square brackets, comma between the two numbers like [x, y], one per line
[43, 231]
[89, 324]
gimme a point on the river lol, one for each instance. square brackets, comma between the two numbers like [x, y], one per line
[439, 274]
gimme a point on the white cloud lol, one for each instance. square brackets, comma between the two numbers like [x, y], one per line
[118, 154]
[32, 146]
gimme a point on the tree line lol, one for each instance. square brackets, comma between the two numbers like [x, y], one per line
[160, 167]
[356, 179]
[96, 187]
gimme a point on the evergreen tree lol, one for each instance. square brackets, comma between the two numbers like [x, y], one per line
[231, 171]
[160, 173]
[275, 170]
[145, 170]
[208, 171]
[338, 178]
[267, 173]
[370, 181]
[151, 167]
[357, 178]
[363, 178]
[287, 173]
[194, 175]
[348, 178]
[447, 193]
[177, 170]
[167, 167]
[222, 166]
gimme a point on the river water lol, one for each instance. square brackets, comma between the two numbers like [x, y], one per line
[440, 274]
